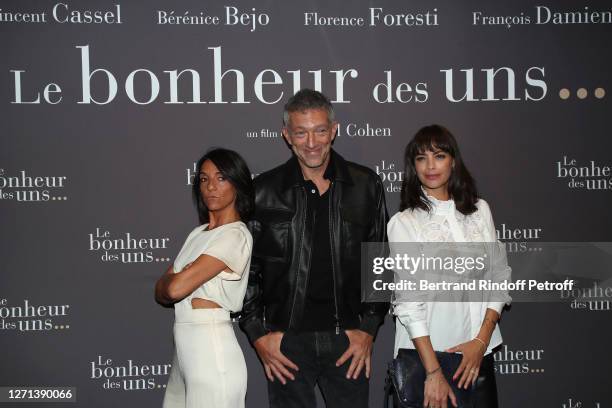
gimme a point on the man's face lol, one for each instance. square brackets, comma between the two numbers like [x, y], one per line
[310, 135]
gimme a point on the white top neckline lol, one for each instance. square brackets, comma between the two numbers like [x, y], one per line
[444, 205]
[205, 226]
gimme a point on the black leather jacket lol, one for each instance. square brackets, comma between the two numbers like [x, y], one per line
[282, 246]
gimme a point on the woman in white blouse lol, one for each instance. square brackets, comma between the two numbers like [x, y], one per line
[207, 281]
[439, 203]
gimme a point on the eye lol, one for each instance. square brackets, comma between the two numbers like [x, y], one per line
[321, 131]
[419, 158]
[441, 156]
[299, 133]
[221, 178]
[203, 179]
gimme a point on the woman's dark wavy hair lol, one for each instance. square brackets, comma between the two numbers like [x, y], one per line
[461, 185]
[234, 168]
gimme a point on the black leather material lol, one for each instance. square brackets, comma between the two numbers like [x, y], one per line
[406, 377]
[282, 244]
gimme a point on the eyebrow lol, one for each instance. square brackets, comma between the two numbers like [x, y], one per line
[203, 173]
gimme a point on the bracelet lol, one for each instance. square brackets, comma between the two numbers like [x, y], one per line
[432, 372]
[482, 341]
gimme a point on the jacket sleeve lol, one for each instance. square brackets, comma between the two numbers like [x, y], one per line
[251, 318]
[373, 313]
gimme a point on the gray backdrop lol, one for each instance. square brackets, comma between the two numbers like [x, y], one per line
[91, 160]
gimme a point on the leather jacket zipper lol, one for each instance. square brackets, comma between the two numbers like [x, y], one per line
[331, 243]
[297, 273]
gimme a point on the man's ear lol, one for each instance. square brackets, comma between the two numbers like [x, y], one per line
[334, 130]
[285, 133]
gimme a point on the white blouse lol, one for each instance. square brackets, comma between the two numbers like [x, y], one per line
[230, 243]
[447, 323]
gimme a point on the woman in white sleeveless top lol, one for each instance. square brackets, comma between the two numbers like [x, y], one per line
[439, 203]
[208, 281]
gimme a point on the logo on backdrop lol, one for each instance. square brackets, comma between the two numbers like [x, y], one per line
[231, 17]
[129, 376]
[126, 248]
[263, 133]
[597, 297]
[584, 176]
[351, 130]
[391, 175]
[492, 84]
[63, 13]
[576, 403]
[519, 239]
[24, 187]
[543, 15]
[27, 316]
[375, 17]
[362, 130]
[526, 361]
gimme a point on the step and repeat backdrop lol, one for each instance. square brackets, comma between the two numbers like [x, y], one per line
[106, 105]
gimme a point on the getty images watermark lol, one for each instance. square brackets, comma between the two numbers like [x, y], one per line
[469, 272]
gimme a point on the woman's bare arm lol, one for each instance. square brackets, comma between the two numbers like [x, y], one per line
[173, 287]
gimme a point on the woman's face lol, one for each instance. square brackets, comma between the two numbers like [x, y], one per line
[217, 192]
[434, 168]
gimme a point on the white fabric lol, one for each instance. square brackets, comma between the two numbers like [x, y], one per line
[447, 323]
[208, 368]
[230, 243]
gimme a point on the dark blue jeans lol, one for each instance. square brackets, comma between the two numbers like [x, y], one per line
[315, 353]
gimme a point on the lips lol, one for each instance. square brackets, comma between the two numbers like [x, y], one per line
[432, 176]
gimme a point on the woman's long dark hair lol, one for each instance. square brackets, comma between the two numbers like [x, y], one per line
[234, 168]
[461, 185]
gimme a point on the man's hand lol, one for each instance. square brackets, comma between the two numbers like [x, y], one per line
[275, 363]
[360, 349]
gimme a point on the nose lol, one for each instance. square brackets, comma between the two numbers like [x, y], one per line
[212, 185]
[431, 163]
[310, 140]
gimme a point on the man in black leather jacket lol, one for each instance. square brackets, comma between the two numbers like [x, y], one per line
[302, 310]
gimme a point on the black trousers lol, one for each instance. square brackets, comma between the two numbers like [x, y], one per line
[315, 353]
[484, 392]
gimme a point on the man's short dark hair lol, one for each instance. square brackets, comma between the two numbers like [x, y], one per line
[306, 99]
